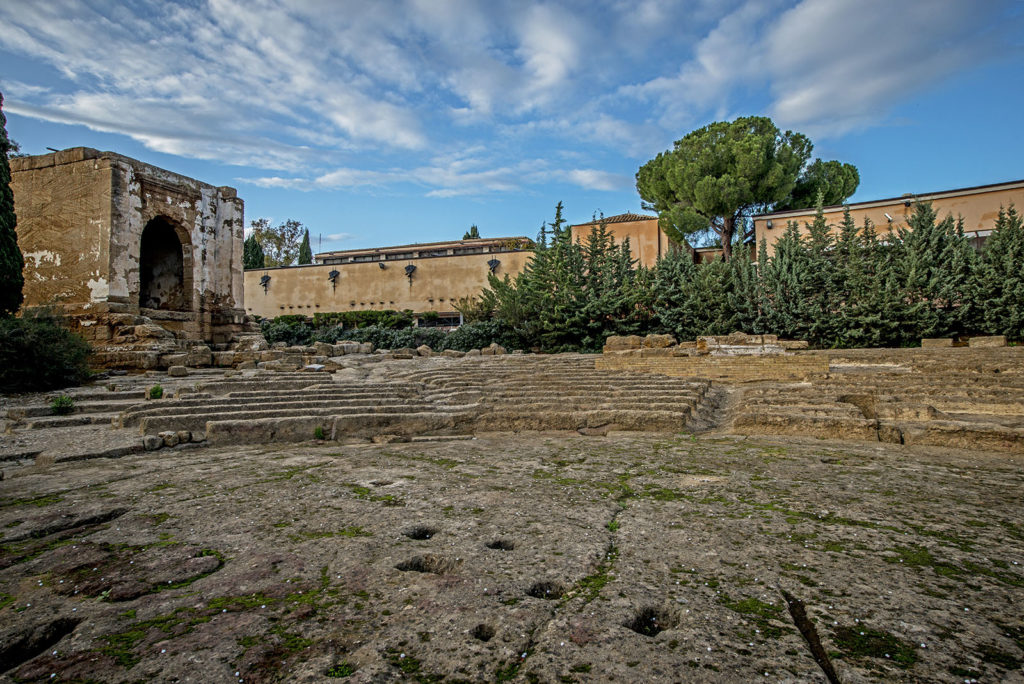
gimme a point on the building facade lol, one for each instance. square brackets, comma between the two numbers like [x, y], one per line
[978, 207]
[429, 277]
[104, 234]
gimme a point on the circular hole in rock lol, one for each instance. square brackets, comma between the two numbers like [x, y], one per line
[546, 590]
[483, 632]
[650, 621]
[420, 532]
[501, 545]
[437, 565]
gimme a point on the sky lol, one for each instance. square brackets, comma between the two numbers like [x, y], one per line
[385, 122]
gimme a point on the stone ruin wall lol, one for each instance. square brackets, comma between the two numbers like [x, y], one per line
[81, 215]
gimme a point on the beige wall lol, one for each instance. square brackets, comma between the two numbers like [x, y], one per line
[81, 215]
[978, 207]
[64, 230]
[436, 285]
[646, 241]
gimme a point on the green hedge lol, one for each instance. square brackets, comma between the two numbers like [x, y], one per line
[37, 353]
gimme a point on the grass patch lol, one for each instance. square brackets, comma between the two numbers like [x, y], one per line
[863, 642]
[758, 612]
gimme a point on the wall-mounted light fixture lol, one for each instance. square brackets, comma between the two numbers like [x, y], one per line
[265, 282]
[887, 218]
[333, 277]
[493, 264]
[409, 270]
[768, 223]
[382, 265]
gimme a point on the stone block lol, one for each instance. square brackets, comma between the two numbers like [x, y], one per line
[473, 352]
[246, 365]
[496, 349]
[366, 347]
[224, 359]
[623, 342]
[793, 344]
[930, 343]
[169, 437]
[173, 359]
[152, 442]
[184, 436]
[177, 371]
[199, 356]
[314, 368]
[343, 348]
[990, 341]
[658, 341]
[453, 354]
[424, 350]
[150, 331]
[323, 349]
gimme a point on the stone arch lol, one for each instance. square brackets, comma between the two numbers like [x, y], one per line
[165, 267]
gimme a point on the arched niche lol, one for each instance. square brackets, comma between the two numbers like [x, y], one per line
[165, 267]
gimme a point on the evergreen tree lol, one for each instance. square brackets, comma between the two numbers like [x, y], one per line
[1001, 277]
[252, 253]
[472, 234]
[305, 252]
[935, 270]
[11, 262]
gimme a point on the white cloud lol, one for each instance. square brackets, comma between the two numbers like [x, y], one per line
[827, 66]
[594, 179]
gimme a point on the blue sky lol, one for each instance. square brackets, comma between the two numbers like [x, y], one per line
[393, 121]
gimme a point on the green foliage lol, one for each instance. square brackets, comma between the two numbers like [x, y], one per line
[305, 251]
[1000, 288]
[290, 329]
[252, 253]
[572, 295]
[472, 234]
[833, 181]
[343, 669]
[318, 433]
[716, 176]
[38, 353]
[280, 243]
[156, 392]
[62, 405]
[11, 261]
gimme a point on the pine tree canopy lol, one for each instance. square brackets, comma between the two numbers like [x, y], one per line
[714, 178]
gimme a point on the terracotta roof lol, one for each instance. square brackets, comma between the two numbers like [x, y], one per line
[618, 218]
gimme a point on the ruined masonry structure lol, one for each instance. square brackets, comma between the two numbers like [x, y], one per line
[111, 240]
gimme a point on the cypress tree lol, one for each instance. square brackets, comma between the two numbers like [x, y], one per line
[252, 254]
[11, 262]
[1001, 277]
[305, 252]
[936, 272]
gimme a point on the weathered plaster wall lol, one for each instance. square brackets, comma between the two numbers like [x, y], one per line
[436, 285]
[978, 207]
[63, 205]
[87, 209]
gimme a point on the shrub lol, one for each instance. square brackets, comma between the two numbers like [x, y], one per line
[476, 336]
[292, 330]
[156, 392]
[62, 405]
[38, 353]
[318, 433]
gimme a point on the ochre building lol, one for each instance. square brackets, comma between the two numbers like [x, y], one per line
[103, 234]
[429, 277]
[978, 206]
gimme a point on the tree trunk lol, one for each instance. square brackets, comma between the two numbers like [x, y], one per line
[726, 234]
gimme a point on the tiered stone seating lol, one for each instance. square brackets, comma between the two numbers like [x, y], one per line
[949, 407]
[439, 396]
